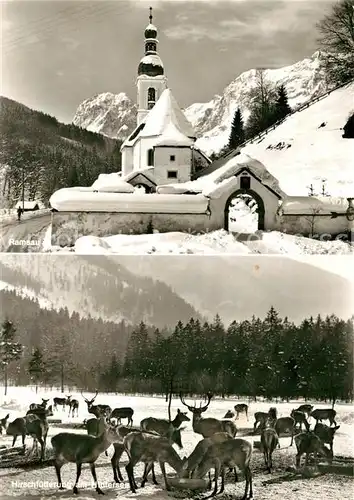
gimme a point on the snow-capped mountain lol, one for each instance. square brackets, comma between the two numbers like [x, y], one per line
[115, 115]
[303, 81]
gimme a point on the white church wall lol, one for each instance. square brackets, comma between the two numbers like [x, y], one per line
[127, 161]
[163, 164]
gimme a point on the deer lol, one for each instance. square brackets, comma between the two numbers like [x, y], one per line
[33, 424]
[149, 448]
[230, 453]
[97, 410]
[95, 427]
[74, 407]
[120, 413]
[241, 408]
[307, 409]
[261, 418]
[61, 402]
[309, 442]
[37, 427]
[300, 418]
[324, 414]
[42, 405]
[81, 449]
[193, 461]
[174, 435]
[209, 426]
[285, 424]
[325, 433]
[161, 426]
[4, 423]
[269, 441]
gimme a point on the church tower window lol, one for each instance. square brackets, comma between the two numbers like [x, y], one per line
[150, 158]
[151, 97]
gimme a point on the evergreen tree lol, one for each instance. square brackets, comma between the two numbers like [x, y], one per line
[10, 350]
[282, 108]
[37, 367]
[237, 134]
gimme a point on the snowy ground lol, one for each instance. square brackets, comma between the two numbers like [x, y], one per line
[278, 486]
[8, 215]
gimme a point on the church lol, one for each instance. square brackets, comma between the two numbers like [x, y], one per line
[161, 150]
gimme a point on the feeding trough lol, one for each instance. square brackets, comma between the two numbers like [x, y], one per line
[188, 483]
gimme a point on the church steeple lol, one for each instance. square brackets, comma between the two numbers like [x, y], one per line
[151, 81]
[151, 66]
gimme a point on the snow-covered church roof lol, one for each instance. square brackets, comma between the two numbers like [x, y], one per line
[171, 136]
[165, 112]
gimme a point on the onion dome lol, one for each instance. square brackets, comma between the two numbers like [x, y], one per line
[150, 31]
[151, 65]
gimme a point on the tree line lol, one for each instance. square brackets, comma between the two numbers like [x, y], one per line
[270, 357]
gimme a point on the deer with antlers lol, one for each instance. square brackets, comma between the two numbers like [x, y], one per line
[97, 410]
[209, 426]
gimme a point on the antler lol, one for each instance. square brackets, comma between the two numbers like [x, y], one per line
[182, 401]
[209, 396]
[84, 397]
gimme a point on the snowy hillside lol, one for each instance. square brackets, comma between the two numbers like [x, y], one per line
[302, 80]
[92, 287]
[115, 115]
[308, 147]
[110, 114]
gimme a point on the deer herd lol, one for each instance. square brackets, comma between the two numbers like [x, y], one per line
[153, 441]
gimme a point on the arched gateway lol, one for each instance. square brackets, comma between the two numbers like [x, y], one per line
[248, 193]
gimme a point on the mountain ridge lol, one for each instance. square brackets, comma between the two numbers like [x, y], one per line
[303, 80]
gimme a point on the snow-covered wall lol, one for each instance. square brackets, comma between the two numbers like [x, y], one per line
[67, 227]
[313, 225]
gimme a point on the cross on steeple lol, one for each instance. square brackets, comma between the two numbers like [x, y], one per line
[150, 16]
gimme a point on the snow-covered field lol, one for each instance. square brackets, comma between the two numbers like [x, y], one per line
[41, 483]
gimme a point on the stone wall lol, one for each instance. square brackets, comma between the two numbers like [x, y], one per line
[318, 225]
[67, 227]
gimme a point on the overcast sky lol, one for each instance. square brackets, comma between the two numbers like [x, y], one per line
[55, 54]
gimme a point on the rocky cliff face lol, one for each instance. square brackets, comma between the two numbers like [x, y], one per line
[110, 114]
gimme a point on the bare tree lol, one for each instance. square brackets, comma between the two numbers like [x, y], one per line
[337, 41]
[263, 98]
